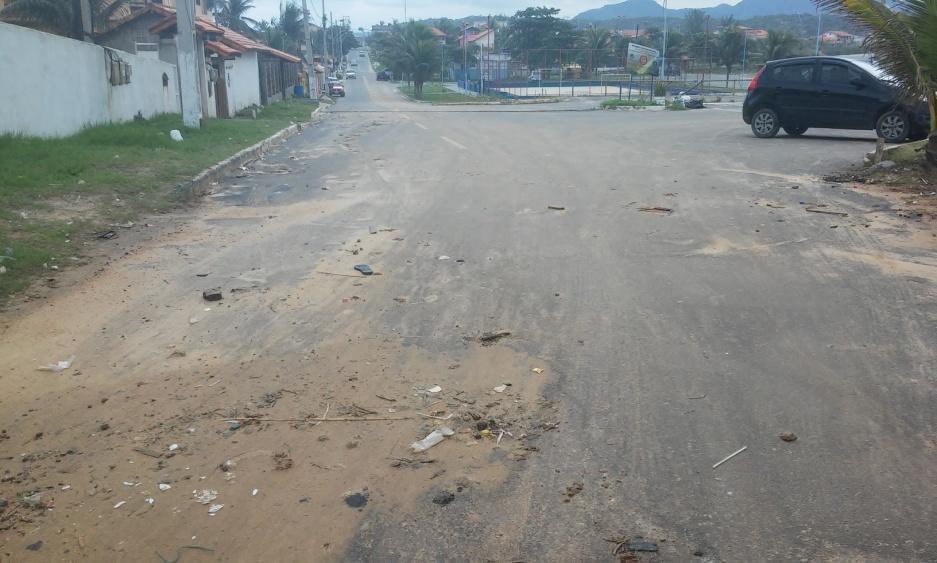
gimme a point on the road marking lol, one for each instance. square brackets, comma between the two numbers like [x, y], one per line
[455, 144]
[421, 126]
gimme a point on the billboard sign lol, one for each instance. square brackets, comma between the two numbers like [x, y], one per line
[641, 58]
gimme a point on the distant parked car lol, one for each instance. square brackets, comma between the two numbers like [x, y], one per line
[385, 75]
[336, 89]
[831, 93]
[351, 75]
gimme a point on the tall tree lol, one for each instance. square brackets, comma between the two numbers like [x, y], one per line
[780, 45]
[539, 28]
[233, 14]
[903, 41]
[729, 48]
[597, 43]
[695, 22]
[62, 17]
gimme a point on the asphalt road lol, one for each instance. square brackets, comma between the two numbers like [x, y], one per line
[669, 341]
[778, 320]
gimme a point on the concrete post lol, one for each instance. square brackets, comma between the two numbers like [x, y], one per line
[87, 26]
[187, 63]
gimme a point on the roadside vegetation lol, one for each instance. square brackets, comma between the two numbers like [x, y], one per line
[903, 40]
[438, 93]
[613, 104]
[56, 193]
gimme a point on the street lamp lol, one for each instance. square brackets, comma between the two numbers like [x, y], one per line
[663, 53]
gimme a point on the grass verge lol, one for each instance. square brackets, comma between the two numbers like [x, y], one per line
[612, 104]
[56, 193]
[437, 93]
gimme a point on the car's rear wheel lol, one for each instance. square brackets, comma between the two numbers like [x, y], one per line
[893, 126]
[765, 123]
[795, 131]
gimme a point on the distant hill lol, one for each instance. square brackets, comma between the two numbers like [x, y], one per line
[745, 9]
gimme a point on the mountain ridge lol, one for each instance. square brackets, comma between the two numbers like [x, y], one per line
[742, 10]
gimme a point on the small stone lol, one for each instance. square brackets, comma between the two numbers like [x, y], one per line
[212, 295]
[35, 546]
[305, 499]
[356, 499]
[788, 436]
[104, 427]
[443, 498]
[698, 553]
[481, 425]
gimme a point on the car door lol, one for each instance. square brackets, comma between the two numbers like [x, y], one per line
[794, 91]
[847, 97]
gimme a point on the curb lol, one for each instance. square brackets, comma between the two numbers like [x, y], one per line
[202, 182]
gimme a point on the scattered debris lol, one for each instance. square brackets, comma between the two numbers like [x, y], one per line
[435, 389]
[500, 388]
[254, 492]
[119, 504]
[443, 498]
[356, 499]
[106, 235]
[657, 210]
[212, 295]
[282, 461]
[364, 269]
[538, 371]
[788, 436]
[556, 207]
[35, 546]
[573, 490]
[434, 437]
[164, 486]
[743, 448]
[372, 230]
[703, 396]
[444, 257]
[179, 552]
[640, 544]
[487, 338]
[205, 496]
[148, 452]
[173, 447]
[214, 509]
[175, 135]
[826, 211]
[150, 501]
[59, 366]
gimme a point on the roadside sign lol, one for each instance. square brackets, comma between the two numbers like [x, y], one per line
[641, 58]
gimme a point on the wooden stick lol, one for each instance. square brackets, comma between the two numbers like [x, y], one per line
[343, 275]
[731, 456]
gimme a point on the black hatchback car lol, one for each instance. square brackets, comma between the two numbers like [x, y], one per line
[831, 93]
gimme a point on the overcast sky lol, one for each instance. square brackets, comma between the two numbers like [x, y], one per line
[364, 13]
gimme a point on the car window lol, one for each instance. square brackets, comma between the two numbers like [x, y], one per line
[831, 73]
[798, 74]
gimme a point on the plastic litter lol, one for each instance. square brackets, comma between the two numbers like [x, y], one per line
[214, 509]
[538, 371]
[205, 496]
[150, 501]
[435, 389]
[364, 269]
[119, 504]
[254, 492]
[444, 257]
[176, 135]
[59, 366]
[164, 486]
[500, 388]
[173, 447]
[434, 437]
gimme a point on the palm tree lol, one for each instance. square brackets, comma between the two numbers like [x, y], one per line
[780, 45]
[903, 41]
[729, 48]
[597, 43]
[232, 13]
[419, 52]
[62, 17]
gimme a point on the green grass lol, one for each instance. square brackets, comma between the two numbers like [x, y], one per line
[55, 193]
[437, 93]
[612, 104]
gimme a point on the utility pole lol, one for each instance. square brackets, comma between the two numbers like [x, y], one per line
[405, 11]
[325, 44]
[187, 64]
[819, 27]
[663, 53]
[87, 27]
[465, 56]
[308, 35]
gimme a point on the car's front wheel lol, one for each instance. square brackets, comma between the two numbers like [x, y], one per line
[795, 131]
[893, 126]
[765, 123]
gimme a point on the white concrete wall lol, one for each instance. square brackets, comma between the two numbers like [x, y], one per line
[243, 76]
[54, 86]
